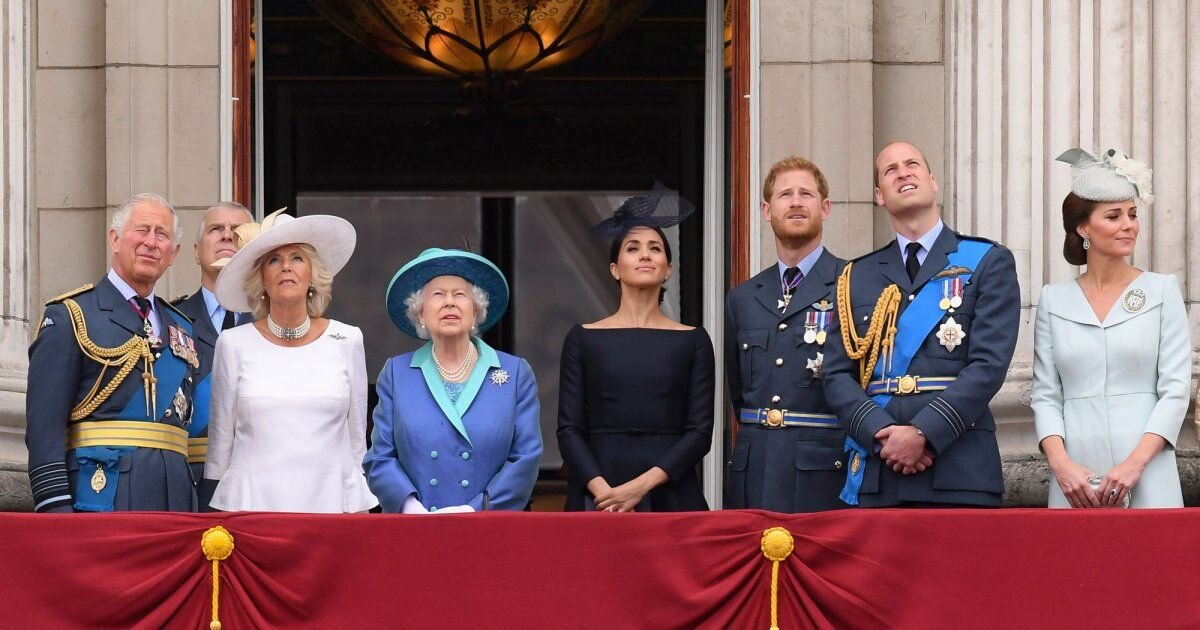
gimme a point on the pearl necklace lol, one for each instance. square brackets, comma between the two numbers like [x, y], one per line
[459, 373]
[288, 334]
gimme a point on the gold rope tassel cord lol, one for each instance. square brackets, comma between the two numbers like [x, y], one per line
[777, 544]
[880, 338]
[217, 545]
[125, 355]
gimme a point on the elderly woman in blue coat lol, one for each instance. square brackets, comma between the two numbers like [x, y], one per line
[456, 427]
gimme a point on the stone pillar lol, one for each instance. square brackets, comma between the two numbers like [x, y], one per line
[14, 230]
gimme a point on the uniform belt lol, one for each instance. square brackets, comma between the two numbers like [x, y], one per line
[907, 385]
[136, 433]
[197, 450]
[776, 418]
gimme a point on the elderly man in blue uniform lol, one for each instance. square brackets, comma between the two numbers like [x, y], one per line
[925, 333]
[214, 242]
[110, 381]
[788, 455]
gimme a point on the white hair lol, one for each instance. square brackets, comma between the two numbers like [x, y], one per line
[416, 301]
[224, 205]
[121, 216]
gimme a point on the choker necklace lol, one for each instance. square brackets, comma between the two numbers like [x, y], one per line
[288, 334]
[459, 373]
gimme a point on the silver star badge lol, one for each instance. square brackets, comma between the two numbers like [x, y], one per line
[817, 364]
[951, 335]
[499, 377]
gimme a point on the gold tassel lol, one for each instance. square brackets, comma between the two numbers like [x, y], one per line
[777, 544]
[217, 544]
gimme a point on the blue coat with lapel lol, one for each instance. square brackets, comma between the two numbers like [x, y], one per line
[956, 422]
[60, 376]
[793, 469]
[482, 452]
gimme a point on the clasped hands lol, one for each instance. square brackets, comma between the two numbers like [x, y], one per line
[905, 449]
[623, 498]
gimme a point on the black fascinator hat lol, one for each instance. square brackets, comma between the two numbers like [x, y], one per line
[660, 208]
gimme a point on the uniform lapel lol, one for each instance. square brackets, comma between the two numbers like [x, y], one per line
[119, 311]
[936, 260]
[892, 266]
[770, 289]
[202, 328]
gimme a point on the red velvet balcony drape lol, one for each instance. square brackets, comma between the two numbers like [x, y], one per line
[850, 569]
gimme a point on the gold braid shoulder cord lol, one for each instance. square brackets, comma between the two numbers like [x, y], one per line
[877, 341]
[125, 355]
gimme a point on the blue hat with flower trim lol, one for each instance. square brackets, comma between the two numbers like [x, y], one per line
[435, 262]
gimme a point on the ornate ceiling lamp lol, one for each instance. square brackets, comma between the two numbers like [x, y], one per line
[489, 45]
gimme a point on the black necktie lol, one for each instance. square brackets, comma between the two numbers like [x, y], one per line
[912, 265]
[143, 306]
[791, 278]
[229, 320]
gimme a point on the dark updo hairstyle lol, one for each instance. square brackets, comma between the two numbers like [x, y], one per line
[614, 251]
[1076, 211]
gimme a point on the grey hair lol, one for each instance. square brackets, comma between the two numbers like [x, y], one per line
[416, 301]
[121, 216]
[321, 284]
[224, 205]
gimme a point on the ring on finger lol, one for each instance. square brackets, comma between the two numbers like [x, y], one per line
[1114, 492]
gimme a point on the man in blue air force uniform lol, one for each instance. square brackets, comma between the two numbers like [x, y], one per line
[789, 451]
[111, 373]
[214, 242]
[925, 333]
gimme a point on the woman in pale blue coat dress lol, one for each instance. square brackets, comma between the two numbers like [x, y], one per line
[456, 427]
[1112, 364]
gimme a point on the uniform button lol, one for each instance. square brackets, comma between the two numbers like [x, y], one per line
[157, 355]
[466, 455]
[866, 317]
[167, 413]
[745, 346]
[433, 454]
[838, 464]
[783, 327]
[465, 483]
[911, 297]
[433, 482]
[779, 361]
[433, 509]
[774, 399]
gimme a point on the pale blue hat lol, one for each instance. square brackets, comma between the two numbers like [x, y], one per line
[1113, 177]
[434, 262]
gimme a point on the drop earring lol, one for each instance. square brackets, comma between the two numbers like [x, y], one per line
[1087, 243]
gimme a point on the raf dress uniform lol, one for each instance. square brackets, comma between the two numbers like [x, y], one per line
[789, 453]
[930, 352]
[200, 308]
[109, 402]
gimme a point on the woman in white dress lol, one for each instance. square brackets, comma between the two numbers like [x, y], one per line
[1112, 364]
[289, 400]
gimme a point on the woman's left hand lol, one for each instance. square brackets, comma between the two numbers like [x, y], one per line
[623, 498]
[1118, 483]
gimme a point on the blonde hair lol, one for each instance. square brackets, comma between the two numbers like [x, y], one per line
[321, 284]
[794, 163]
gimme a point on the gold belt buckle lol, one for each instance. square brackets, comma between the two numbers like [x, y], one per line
[774, 418]
[907, 384]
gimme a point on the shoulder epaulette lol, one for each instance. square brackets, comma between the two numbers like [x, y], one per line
[175, 301]
[970, 237]
[890, 243]
[70, 294]
[176, 310]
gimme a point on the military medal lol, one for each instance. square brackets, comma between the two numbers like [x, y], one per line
[810, 327]
[816, 365]
[1134, 300]
[952, 291]
[787, 291]
[823, 317]
[180, 404]
[99, 480]
[951, 334]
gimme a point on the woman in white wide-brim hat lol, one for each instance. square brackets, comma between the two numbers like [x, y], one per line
[288, 423]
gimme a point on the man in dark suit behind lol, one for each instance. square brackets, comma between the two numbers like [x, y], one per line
[788, 455]
[214, 241]
[926, 330]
